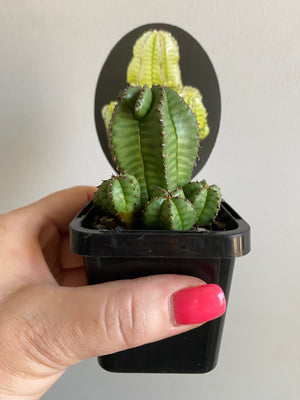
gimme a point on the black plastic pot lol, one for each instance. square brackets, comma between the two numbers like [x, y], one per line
[210, 255]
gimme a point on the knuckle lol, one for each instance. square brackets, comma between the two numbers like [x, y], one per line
[124, 320]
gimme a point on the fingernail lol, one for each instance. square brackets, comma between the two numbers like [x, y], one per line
[198, 304]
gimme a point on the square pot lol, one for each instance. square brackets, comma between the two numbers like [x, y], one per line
[124, 254]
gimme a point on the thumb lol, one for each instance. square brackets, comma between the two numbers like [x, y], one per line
[115, 316]
[73, 324]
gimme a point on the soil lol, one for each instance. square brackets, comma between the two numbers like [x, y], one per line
[105, 222]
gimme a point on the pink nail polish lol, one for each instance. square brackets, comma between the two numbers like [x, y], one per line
[198, 304]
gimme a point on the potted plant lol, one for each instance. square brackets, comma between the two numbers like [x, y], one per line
[150, 218]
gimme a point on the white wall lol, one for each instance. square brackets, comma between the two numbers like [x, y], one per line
[51, 55]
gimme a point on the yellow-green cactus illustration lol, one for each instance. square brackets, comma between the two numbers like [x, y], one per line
[156, 61]
[107, 112]
[193, 99]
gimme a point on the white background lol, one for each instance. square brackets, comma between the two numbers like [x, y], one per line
[51, 56]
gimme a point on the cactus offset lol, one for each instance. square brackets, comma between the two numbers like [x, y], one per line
[206, 200]
[154, 135]
[119, 196]
[169, 212]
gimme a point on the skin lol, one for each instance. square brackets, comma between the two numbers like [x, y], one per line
[49, 318]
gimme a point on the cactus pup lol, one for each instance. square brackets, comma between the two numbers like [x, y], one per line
[206, 200]
[119, 196]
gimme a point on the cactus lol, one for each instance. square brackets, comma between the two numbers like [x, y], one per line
[156, 61]
[154, 135]
[206, 200]
[119, 196]
[169, 212]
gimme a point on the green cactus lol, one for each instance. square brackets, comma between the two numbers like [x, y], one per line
[119, 196]
[169, 212]
[154, 135]
[206, 200]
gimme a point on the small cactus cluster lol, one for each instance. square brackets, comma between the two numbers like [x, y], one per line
[154, 137]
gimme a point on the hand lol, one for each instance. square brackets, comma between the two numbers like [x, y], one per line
[49, 319]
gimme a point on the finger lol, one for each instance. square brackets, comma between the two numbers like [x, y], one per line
[37, 230]
[68, 259]
[60, 208]
[72, 277]
[89, 321]
[68, 268]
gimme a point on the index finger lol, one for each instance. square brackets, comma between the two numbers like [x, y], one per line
[60, 207]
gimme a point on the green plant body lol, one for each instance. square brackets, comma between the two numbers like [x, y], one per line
[168, 212]
[119, 196]
[154, 135]
[206, 200]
